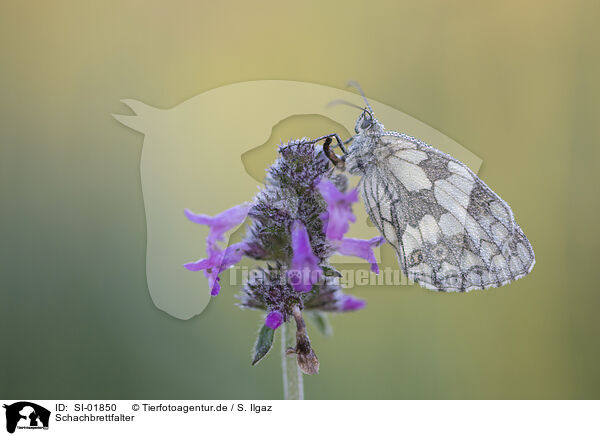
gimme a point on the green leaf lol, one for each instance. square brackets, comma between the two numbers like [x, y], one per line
[320, 320]
[264, 342]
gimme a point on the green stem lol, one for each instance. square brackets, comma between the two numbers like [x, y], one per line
[293, 388]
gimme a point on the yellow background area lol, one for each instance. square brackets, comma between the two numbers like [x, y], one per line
[513, 82]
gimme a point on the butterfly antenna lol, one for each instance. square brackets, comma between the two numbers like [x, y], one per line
[355, 84]
[345, 103]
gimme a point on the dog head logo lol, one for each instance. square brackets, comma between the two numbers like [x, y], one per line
[192, 158]
[25, 414]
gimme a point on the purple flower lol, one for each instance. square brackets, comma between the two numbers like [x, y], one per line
[360, 248]
[220, 223]
[349, 302]
[217, 262]
[274, 319]
[337, 220]
[305, 268]
[339, 209]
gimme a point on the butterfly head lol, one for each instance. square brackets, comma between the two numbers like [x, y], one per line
[365, 121]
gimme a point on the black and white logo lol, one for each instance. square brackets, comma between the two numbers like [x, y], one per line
[26, 415]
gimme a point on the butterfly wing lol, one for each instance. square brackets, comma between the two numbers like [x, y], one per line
[450, 230]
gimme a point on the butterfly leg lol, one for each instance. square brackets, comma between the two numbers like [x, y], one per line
[339, 141]
[334, 158]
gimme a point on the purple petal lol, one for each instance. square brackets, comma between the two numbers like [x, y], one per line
[349, 302]
[217, 262]
[361, 248]
[274, 319]
[338, 222]
[222, 222]
[329, 191]
[214, 284]
[305, 268]
[199, 264]
[214, 260]
[233, 254]
[339, 209]
[198, 218]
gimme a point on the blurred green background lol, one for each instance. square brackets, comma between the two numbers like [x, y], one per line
[514, 82]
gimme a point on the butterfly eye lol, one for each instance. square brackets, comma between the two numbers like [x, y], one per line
[367, 121]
